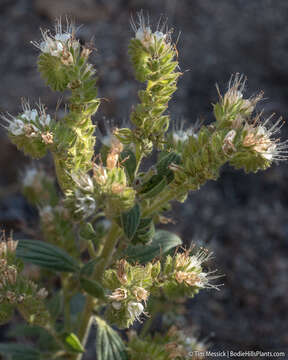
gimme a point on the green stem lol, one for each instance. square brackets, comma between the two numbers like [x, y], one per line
[67, 297]
[139, 156]
[106, 256]
[156, 205]
[147, 325]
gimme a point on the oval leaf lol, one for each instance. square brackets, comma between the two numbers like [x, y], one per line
[145, 232]
[92, 287]
[87, 232]
[46, 255]
[128, 160]
[130, 221]
[165, 161]
[109, 345]
[163, 241]
[87, 269]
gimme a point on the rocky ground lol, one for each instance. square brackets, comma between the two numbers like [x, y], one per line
[242, 218]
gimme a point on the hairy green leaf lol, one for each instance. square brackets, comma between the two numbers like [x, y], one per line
[163, 241]
[46, 255]
[109, 345]
[128, 160]
[92, 287]
[145, 232]
[130, 221]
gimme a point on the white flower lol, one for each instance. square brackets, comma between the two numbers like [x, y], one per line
[46, 214]
[234, 96]
[105, 132]
[261, 138]
[29, 177]
[46, 210]
[45, 120]
[16, 127]
[56, 44]
[29, 115]
[159, 35]
[83, 181]
[180, 134]
[30, 122]
[85, 204]
[144, 33]
[135, 309]
[195, 261]
[116, 305]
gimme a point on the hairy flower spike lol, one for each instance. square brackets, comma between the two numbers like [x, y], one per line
[233, 108]
[259, 145]
[59, 44]
[30, 122]
[153, 57]
[130, 286]
[144, 33]
[31, 131]
[184, 274]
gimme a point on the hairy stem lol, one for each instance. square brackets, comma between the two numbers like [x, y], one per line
[156, 205]
[106, 256]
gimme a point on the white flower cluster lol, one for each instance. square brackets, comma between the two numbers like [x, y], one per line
[30, 123]
[30, 176]
[85, 203]
[144, 33]
[147, 37]
[189, 270]
[261, 138]
[180, 134]
[135, 309]
[58, 44]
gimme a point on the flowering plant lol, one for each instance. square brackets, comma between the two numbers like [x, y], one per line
[100, 241]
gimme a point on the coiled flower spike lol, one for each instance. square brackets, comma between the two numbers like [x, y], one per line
[59, 44]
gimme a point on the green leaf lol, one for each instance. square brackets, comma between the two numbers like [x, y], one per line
[77, 304]
[153, 187]
[129, 163]
[145, 232]
[87, 269]
[163, 241]
[130, 221]
[72, 343]
[55, 305]
[109, 345]
[46, 255]
[166, 160]
[19, 351]
[87, 232]
[92, 287]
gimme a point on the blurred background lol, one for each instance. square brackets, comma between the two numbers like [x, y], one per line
[242, 218]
